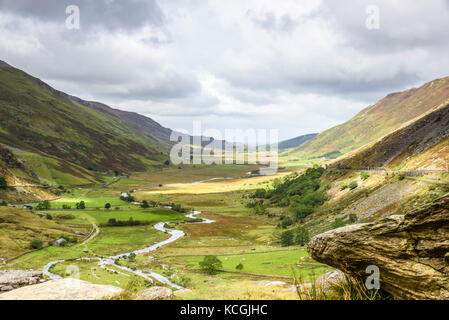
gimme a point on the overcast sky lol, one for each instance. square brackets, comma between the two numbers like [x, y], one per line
[298, 66]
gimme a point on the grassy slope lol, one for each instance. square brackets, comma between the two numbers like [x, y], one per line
[377, 120]
[18, 227]
[36, 118]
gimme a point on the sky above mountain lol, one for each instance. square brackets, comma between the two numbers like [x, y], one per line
[298, 66]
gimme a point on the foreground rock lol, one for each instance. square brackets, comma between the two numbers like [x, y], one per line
[13, 279]
[156, 293]
[64, 289]
[410, 250]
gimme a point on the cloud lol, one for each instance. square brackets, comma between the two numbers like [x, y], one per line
[300, 66]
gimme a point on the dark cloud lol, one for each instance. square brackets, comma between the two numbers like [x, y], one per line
[110, 14]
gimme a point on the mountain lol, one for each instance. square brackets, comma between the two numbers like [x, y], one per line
[296, 142]
[68, 135]
[377, 120]
[421, 144]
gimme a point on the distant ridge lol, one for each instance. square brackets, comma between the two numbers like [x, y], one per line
[296, 142]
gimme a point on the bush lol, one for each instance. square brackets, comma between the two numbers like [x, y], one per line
[401, 176]
[353, 185]
[81, 205]
[131, 222]
[3, 183]
[45, 205]
[343, 186]
[286, 222]
[65, 216]
[36, 244]
[364, 175]
[287, 238]
[338, 223]
[49, 216]
[145, 204]
[210, 265]
[107, 206]
[353, 218]
[239, 267]
[132, 257]
[66, 206]
[3, 203]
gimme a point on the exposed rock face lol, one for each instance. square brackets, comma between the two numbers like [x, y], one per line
[411, 251]
[156, 293]
[13, 279]
[64, 289]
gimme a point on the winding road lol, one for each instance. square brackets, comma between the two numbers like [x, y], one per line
[149, 275]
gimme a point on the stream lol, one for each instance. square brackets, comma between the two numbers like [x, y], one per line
[149, 275]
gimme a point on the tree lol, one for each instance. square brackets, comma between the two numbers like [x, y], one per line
[287, 238]
[36, 244]
[239, 267]
[210, 265]
[49, 216]
[3, 183]
[3, 203]
[286, 222]
[132, 257]
[167, 162]
[81, 205]
[353, 218]
[107, 206]
[301, 236]
[145, 204]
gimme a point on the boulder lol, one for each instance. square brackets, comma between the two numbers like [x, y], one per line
[411, 251]
[12, 279]
[330, 279]
[156, 293]
[64, 289]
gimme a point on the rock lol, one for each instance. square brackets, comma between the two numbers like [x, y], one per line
[330, 279]
[409, 250]
[11, 279]
[64, 289]
[156, 293]
[86, 250]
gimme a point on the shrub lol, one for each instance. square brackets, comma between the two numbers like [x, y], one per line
[353, 218]
[36, 244]
[210, 265]
[107, 206]
[343, 186]
[353, 185]
[81, 205]
[364, 175]
[338, 223]
[401, 176]
[66, 206]
[132, 257]
[3, 203]
[287, 238]
[286, 222]
[45, 205]
[49, 216]
[239, 267]
[145, 204]
[3, 183]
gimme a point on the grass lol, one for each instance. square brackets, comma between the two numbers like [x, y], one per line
[272, 263]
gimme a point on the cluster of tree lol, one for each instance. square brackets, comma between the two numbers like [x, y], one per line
[352, 185]
[131, 222]
[44, 205]
[36, 244]
[299, 236]
[3, 183]
[301, 193]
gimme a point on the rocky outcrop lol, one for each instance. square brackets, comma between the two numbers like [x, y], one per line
[156, 293]
[64, 289]
[13, 279]
[411, 251]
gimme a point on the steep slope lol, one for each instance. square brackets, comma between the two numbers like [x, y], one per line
[39, 119]
[296, 142]
[422, 144]
[377, 120]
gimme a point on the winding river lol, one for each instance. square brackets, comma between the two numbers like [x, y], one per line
[149, 275]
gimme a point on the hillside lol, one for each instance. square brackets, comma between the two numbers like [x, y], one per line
[377, 120]
[422, 144]
[295, 142]
[37, 120]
